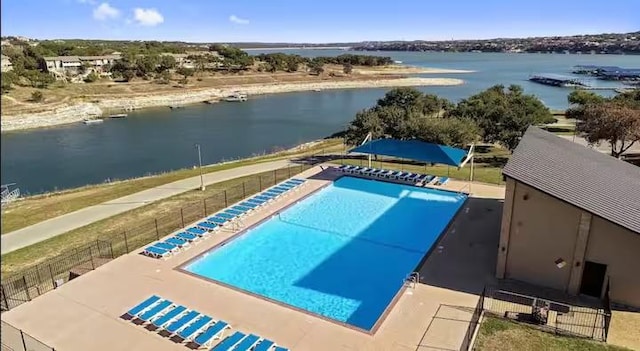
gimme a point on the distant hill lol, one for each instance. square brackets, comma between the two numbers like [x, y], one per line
[608, 43]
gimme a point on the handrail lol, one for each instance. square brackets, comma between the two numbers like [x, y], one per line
[413, 277]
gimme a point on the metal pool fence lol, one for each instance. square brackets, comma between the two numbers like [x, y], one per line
[14, 339]
[561, 318]
[36, 280]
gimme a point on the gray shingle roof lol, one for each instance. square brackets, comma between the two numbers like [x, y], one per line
[593, 181]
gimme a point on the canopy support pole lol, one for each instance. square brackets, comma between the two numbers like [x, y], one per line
[471, 174]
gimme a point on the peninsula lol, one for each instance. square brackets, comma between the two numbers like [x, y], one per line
[41, 88]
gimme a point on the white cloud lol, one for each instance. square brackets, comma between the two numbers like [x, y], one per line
[237, 20]
[90, 2]
[147, 17]
[105, 12]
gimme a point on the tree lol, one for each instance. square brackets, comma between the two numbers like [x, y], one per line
[91, 77]
[8, 78]
[616, 122]
[37, 96]
[166, 63]
[347, 68]
[128, 75]
[503, 115]
[316, 66]
[406, 113]
[185, 72]
[292, 66]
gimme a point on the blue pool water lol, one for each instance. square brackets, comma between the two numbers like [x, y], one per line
[342, 253]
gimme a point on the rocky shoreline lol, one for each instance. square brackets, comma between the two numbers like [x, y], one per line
[80, 111]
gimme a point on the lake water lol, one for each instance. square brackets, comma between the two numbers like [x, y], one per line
[157, 140]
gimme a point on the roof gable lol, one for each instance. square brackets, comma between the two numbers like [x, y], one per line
[588, 179]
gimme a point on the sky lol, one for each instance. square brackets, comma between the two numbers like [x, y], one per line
[314, 21]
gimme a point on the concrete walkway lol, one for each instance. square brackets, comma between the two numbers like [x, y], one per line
[59, 225]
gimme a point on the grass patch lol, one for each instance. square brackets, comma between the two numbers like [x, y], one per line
[501, 335]
[35, 209]
[140, 224]
[560, 130]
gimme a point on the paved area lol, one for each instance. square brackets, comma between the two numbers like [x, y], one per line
[604, 147]
[59, 225]
[85, 313]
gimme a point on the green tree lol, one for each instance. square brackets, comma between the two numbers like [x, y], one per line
[8, 78]
[185, 72]
[37, 96]
[292, 66]
[347, 68]
[166, 63]
[91, 77]
[316, 66]
[406, 113]
[503, 115]
[128, 75]
[615, 120]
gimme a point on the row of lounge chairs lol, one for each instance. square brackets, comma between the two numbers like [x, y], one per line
[228, 216]
[409, 177]
[192, 327]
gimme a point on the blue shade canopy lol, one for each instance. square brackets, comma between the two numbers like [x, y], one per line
[414, 150]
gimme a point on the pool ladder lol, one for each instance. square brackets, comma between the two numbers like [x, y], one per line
[412, 280]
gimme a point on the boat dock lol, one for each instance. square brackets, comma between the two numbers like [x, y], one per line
[557, 80]
[609, 72]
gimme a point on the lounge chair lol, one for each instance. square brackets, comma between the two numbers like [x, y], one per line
[345, 168]
[248, 204]
[280, 348]
[166, 246]
[256, 202]
[274, 193]
[230, 342]
[194, 327]
[226, 215]
[168, 317]
[402, 175]
[155, 310]
[233, 212]
[376, 172]
[178, 241]
[264, 345]
[214, 332]
[181, 322]
[442, 181]
[207, 226]
[156, 252]
[143, 306]
[247, 343]
[264, 198]
[420, 178]
[385, 174]
[242, 208]
[187, 236]
[297, 180]
[197, 231]
[217, 220]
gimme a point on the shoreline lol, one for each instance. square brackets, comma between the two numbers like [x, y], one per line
[78, 112]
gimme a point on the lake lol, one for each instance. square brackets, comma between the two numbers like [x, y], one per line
[157, 140]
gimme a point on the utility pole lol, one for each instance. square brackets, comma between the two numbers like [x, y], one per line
[202, 187]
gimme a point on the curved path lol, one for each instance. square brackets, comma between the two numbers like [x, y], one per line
[59, 225]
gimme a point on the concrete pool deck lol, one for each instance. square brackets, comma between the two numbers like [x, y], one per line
[85, 313]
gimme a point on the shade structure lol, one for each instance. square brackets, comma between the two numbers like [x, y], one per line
[414, 150]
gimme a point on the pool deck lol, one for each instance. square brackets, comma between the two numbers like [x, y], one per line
[84, 314]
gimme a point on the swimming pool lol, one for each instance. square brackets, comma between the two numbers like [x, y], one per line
[342, 253]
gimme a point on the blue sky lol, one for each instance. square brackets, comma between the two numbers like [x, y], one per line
[313, 21]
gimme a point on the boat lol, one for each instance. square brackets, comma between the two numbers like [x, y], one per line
[397, 61]
[317, 89]
[175, 106]
[93, 121]
[236, 97]
[118, 115]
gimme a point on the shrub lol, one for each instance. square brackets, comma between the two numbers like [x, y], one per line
[37, 96]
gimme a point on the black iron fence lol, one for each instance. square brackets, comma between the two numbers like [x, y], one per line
[41, 278]
[473, 323]
[14, 339]
[37, 280]
[547, 315]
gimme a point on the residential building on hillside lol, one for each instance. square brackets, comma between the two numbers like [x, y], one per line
[571, 220]
[71, 64]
